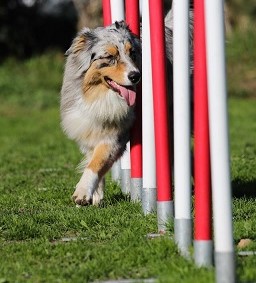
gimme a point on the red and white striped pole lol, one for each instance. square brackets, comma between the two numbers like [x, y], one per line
[224, 256]
[121, 170]
[133, 20]
[107, 20]
[203, 247]
[163, 170]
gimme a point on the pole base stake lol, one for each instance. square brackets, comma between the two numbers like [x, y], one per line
[203, 253]
[183, 235]
[136, 187]
[148, 197]
[126, 181]
[225, 269]
[165, 212]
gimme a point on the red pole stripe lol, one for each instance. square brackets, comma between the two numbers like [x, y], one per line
[163, 170]
[106, 12]
[133, 20]
[132, 11]
[201, 129]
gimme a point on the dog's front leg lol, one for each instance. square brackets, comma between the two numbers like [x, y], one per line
[90, 187]
[98, 194]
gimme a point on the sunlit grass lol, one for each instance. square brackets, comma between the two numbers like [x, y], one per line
[45, 238]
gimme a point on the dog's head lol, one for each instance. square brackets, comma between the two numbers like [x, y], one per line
[107, 59]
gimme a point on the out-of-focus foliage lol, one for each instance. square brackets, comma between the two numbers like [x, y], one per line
[240, 15]
[30, 29]
[89, 13]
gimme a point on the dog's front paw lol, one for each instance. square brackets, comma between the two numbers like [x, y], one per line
[85, 188]
[81, 197]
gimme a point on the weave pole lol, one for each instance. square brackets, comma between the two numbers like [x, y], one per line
[163, 170]
[132, 15]
[106, 7]
[106, 12]
[121, 171]
[117, 10]
[110, 16]
[126, 171]
[133, 20]
[219, 142]
[203, 247]
[148, 131]
[181, 112]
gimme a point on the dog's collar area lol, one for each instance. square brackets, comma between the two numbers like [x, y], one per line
[126, 92]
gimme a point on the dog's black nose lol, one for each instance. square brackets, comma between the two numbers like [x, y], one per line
[134, 77]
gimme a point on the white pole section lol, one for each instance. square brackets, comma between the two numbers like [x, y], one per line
[117, 10]
[126, 171]
[116, 171]
[148, 132]
[219, 142]
[117, 14]
[181, 106]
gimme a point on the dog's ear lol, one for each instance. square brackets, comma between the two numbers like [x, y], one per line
[136, 43]
[82, 42]
[68, 51]
[80, 52]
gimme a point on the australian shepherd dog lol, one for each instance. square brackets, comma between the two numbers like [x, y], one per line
[98, 97]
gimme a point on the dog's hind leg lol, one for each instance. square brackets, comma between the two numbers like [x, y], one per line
[90, 183]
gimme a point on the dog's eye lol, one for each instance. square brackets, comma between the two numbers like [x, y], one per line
[107, 61]
[111, 59]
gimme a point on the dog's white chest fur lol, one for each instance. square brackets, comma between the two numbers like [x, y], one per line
[90, 124]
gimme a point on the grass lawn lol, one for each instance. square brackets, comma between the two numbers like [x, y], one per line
[45, 238]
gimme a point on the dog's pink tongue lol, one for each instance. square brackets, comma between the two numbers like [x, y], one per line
[128, 94]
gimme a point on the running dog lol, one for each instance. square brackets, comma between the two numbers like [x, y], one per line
[98, 97]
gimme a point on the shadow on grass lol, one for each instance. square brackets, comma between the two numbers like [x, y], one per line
[241, 188]
[118, 197]
[114, 195]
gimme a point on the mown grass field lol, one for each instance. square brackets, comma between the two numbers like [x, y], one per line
[45, 238]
